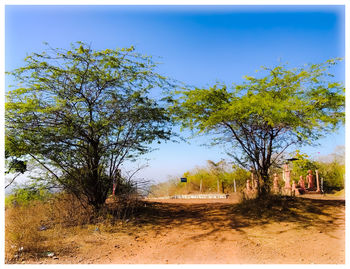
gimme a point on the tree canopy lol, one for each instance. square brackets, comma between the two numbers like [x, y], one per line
[263, 116]
[81, 113]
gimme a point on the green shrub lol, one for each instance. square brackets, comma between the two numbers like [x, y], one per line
[302, 165]
[207, 176]
[333, 175]
[23, 195]
[332, 172]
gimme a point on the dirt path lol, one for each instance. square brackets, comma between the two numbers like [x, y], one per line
[216, 231]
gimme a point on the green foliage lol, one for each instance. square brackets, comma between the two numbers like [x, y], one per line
[238, 174]
[262, 117]
[81, 113]
[333, 175]
[14, 163]
[302, 165]
[209, 176]
[24, 195]
[332, 172]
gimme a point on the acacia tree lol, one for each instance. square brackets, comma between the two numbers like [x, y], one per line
[262, 117]
[81, 113]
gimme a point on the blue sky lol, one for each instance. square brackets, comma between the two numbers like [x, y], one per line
[197, 45]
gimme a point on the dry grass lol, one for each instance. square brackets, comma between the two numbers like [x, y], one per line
[66, 210]
[340, 193]
[22, 234]
[38, 228]
[116, 236]
[33, 230]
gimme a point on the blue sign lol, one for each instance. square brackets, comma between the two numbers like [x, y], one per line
[183, 179]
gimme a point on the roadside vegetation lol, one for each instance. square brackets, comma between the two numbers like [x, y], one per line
[204, 180]
[331, 170]
[79, 114]
[38, 221]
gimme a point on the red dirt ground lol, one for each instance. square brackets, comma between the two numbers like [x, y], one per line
[216, 231]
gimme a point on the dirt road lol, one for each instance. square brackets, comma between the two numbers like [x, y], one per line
[216, 231]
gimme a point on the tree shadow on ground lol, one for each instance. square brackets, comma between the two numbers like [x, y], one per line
[303, 212]
[218, 217]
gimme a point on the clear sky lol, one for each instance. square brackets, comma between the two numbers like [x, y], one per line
[197, 45]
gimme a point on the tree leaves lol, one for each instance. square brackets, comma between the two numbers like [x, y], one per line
[88, 110]
[264, 116]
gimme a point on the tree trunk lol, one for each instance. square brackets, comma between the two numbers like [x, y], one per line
[264, 188]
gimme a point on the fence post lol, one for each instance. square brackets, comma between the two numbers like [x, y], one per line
[317, 181]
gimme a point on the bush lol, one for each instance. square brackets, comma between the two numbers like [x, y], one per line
[23, 195]
[209, 176]
[333, 175]
[332, 172]
[302, 165]
[66, 210]
[239, 175]
[34, 227]
[22, 230]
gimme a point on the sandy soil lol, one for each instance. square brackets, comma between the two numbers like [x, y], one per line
[216, 231]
